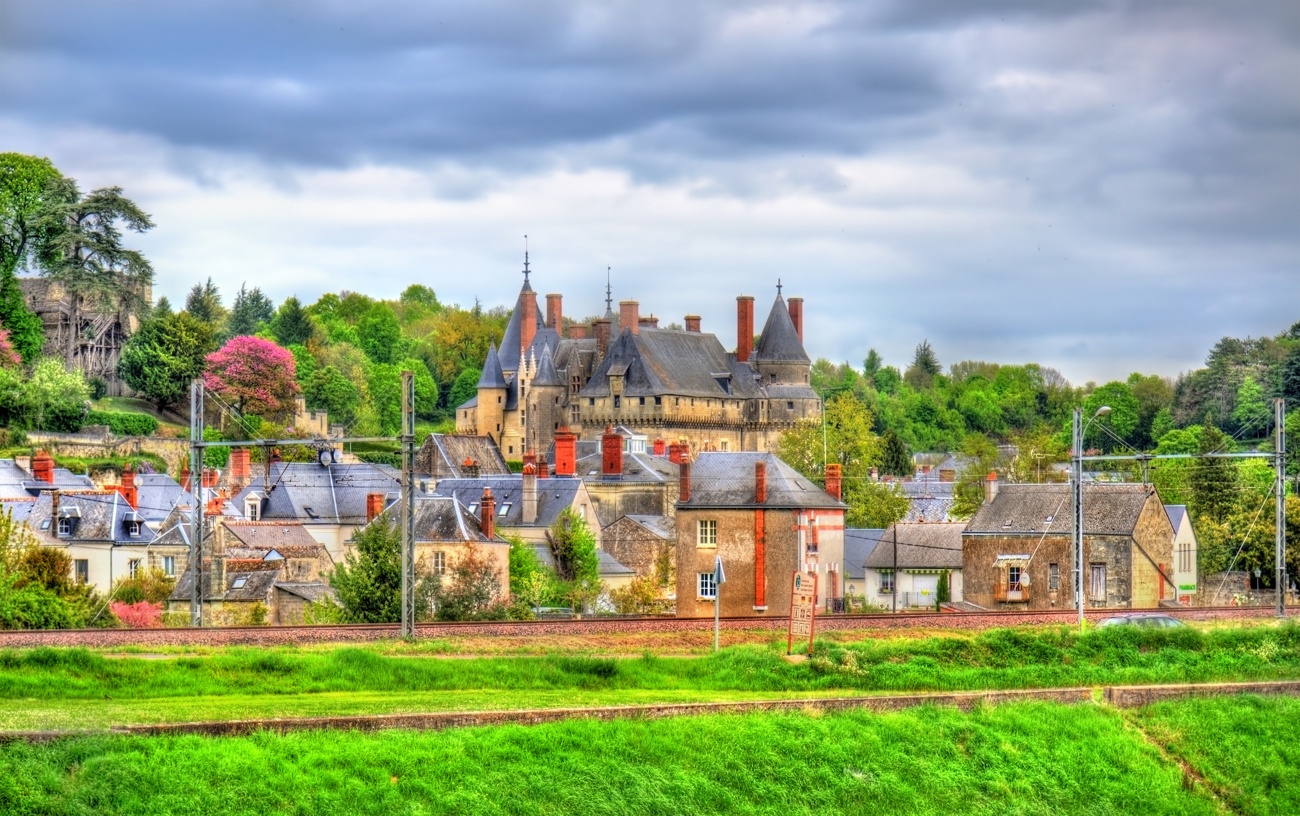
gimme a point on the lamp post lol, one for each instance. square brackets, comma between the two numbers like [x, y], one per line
[1079, 430]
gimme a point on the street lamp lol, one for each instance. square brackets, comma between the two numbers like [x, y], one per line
[1079, 430]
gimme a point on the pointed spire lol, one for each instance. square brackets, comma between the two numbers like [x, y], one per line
[778, 281]
[492, 377]
[780, 341]
[527, 287]
[609, 295]
[546, 373]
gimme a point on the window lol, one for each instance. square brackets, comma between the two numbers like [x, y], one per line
[706, 533]
[133, 568]
[659, 400]
[642, 400]
[505, 508]
[707, 588]
[1097, 582]
[789, 405]
[45, 525]
[81, 570]
[238, 583]
[1053, 577]
[618, 402]
[133, 529]
[1185, 557]
[439, 563]
[169, 566]
[1013, 579]
[573, 413]
[591, 402]
[251, 508]
[724, 445]
[886, 582]
[65, 526]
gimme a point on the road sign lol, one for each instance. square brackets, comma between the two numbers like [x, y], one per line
[803, 610]
[719, 578]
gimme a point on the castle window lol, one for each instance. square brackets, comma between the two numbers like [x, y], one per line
[573, 414]
[642, 400]
[789, 406]
[618, 402]
[498, 400]
[659, 400]
[771, 378]
[591, 402]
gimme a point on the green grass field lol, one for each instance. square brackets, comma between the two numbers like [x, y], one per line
[1022, 759]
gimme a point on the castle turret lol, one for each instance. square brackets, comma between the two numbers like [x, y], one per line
[546, 407]
[492, 392]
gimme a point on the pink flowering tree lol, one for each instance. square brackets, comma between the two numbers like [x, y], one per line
[254, 375]
[8, 356]
[139, 615]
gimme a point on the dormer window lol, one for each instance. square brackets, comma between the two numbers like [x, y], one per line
[505, 508]
[252, 509]
[133, 529]
[65, 526]
[239, 583]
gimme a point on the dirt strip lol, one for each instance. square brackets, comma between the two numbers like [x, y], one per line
[1118, 696]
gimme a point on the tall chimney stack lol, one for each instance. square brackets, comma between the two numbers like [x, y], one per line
[744, 327]
[684, 481]
[528, 321]
[374, 506]
[602, 329]
[628, 316]
[834, 481]
[530, 493]
[128, 489]
[555, 312]
[990, 487]
[566, 452]
[487, 513]
[43, 467]
[796, 315]
[611, 453]
[577, 332]
[693, 323]
[760, 483]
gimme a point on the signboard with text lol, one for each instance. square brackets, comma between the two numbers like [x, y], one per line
[803, 610]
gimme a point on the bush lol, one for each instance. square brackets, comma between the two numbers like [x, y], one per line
[98, 388]
[124, 423]
[473, 591]
[152, 586]
[139, 615]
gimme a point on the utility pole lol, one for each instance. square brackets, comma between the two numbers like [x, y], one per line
[196, 496]
[894, 527]
[1077, 479]
[408, 504]
[1279, 419]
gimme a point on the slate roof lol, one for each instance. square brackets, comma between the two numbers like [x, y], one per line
[278, 535]
[18, 509]
[920, 546]
[512, 340]
[779, 341]
[157, 495]
[320, 494]
[1176, 513]
[923, 487]
[15, 483]
[659, 362]
[175, 529]
[101, 518]
[492, 376]
[310, 592]
[444, 519]
[929, 508]
[660, 526]
[546, 373]
[553, 495]
[726, 480]
[858, 544]
[1023, 509]
[447, 454]
[637, 467]
[607, 565]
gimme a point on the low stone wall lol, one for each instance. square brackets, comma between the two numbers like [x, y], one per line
[274, 635]
[1138, 696]
[175, 452]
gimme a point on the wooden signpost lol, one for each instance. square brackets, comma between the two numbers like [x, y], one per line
[803, 610]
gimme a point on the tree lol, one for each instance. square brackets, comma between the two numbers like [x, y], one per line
[204, 303]
[925, 367]
[1213, 482]
[981, 457]
[381, 335]
[253, 374]
[9, 357]
[843, 437]
[80, 247]
[25, 184]
[465, 388]
[161, 359]
[531, 584]
[369, 582]
[291, 324]
[471, 590]
[1253, 415]
[875, 504]
[576, 564]
[872, 364]
[249, 312]
[894, 459]
[1122, 421]
[50, 399]
[1288, 376]
[330, 391]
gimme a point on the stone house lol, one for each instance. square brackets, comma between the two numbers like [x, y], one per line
[1018, 549]
[765, 521]
[903, 568]
[1185, 552]
[647, 545]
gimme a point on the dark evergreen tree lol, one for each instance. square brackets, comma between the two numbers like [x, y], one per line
[249, 312]
[894, 459]
[1213, 481]
[204, 303]
[161, 359]
[292, 325]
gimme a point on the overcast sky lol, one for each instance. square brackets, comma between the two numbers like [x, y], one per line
[1098, 186]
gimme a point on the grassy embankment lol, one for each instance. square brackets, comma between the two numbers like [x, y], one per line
[1026, 758]
[77, 688]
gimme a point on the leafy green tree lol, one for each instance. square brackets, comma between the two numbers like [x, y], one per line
[204, 303]
[1161, 424]
[1154, 394]
[894, 459]
[471, 590]
[305, 365]
[167, 352]
[1122, 421]
[26, 182]
[1213, 482]
[385, 389]
[872, 364]
[81, 248]
[1253, 415]
[874, 504]
[981, 457]
[292, 325]
[1288, 376]
[844, 437]
[250, 311]
[369, 581]
[50, 399]
[576, 563]
[426, 390]
[465, 388]
[380, 335]
[330, 391]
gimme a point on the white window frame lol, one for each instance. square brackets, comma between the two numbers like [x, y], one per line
[133, 568]
[887, 578]
[706, 533]
[169, 565]
[705, 587]
[439, 562]
[252, 509]
[65, 526]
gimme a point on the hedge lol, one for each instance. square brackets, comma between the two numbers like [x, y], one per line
[123, 423]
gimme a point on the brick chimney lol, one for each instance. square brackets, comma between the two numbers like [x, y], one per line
[528, 320]
[530, 493]
[186, 479]
[611, 453]
[210, 476]
[650, 322]
[760, 483]
[566, 452]
[374, 506]
[543, 469]
[128, 489]
[555, 312]
[577, 332]
[487, 513]
[679, 452]
[602, 328]
[43, 467]
[744, 327]
[628, 315]
[660, 447]
[240, 469]
[693, 323]
[990, 487]
[684, 481]
[796, 315]
[834, 480]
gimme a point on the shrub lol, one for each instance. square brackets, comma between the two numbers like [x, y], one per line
[124, 423]
[473, 591]
[139, 615]
[640, 597]
[152, 586]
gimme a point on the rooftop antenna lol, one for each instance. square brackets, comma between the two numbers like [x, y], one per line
[609, 297]
[525, 258]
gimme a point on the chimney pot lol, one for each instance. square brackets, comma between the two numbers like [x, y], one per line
[611, 452]
[660, 447]
[744, 328]
[566, 452]
[43, 467]
[990, 487]
[530, 493]
[684, 482]
[834, 481]
[577, 332]
[487, 511]
[693, 323]
[374, 506]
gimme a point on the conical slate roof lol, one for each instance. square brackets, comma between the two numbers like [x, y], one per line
[546, 373]
[492, 377]
[779, 341]
[512, 342]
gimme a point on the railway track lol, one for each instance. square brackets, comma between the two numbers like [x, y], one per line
[353, 633]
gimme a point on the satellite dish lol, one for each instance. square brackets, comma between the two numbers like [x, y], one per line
[324, 458]
[138, 480]
[1024, 577]
[334, 455]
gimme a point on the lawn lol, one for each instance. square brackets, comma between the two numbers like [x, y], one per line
[1025, 759]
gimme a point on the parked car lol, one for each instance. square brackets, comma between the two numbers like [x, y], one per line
[1150, 620]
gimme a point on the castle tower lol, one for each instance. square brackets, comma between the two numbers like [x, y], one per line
[492, 392]
[545, 403]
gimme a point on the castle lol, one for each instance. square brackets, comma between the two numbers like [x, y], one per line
[679, 385]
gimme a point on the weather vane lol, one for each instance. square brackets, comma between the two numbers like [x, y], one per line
[525, 258]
